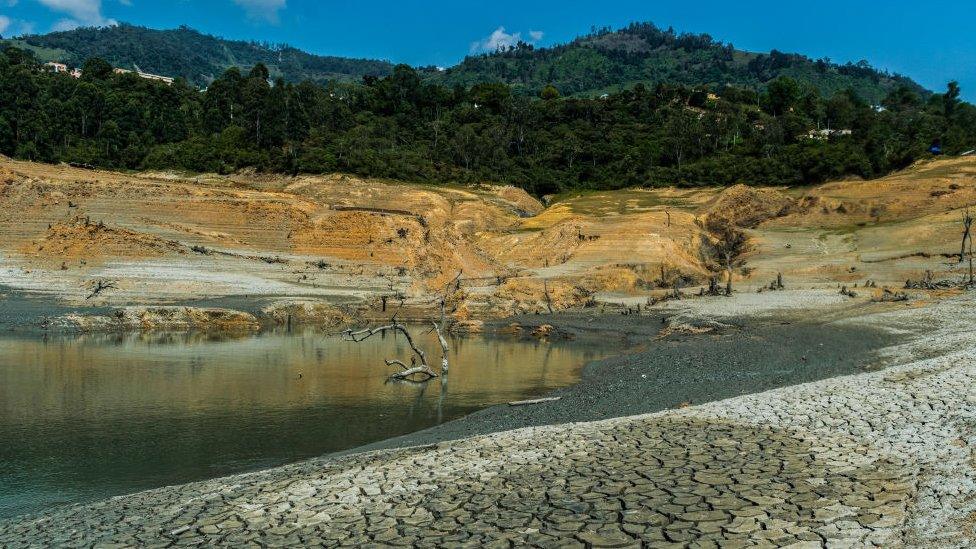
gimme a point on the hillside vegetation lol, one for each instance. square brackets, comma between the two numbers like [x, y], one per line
[607, 60]
[603, 61]
[401, 127]
[197, 57]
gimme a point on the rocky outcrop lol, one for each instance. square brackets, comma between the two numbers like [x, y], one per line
[307, 313]
[157, 318]
[746, 206]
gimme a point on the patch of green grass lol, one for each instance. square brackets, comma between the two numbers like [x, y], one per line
[43, 54]
[596, 203]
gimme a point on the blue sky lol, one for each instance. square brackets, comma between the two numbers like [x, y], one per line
[931, 42]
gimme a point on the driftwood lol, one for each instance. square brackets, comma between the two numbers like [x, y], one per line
[534, 401]
[928, 283]
[888, 296]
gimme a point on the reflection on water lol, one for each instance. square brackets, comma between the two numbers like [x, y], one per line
[87, 417]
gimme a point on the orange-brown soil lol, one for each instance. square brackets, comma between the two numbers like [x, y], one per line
[166, 236]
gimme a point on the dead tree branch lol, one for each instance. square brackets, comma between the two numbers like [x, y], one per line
[534, 401]
[99, 287]
[408, 371]
[419, 368]
[423, 369]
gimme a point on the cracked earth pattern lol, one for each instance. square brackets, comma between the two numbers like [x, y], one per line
[878, 459]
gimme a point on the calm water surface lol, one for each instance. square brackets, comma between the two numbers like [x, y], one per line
[87, 417]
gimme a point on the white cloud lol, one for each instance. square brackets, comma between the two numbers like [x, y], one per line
[496, 40]
[502, 40]
[15, 27]
[65, 25]
[262, 10]
[86, 13]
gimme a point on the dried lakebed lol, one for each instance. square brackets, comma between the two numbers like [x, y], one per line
[881, 458]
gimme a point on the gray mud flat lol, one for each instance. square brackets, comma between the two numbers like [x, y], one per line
[31, 312]
[24, 310]
[651, 374]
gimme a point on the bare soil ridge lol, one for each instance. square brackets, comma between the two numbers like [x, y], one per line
[162, 238]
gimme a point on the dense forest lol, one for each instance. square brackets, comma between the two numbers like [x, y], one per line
[606, 60]
[405, 128]
[197, 57]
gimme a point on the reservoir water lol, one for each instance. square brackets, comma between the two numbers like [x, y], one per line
[92, 416]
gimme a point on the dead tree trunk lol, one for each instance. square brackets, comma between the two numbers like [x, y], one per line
[967, 223]
[443, 341]
[545, 290]
[728, 271]
[441, 326]
[724, 246]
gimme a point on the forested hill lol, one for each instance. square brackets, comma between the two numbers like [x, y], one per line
[607, 61]
[603, 61]
[402, 127]
[198, 57]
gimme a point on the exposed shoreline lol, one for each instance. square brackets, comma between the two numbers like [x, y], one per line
[870, 458]
[650, 374]
[777, 346]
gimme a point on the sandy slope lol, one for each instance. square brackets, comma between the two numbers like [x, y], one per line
[164, 237]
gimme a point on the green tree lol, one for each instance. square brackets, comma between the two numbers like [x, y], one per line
[549, 93]
[950, 100]
[96, 69]
[782, 95]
